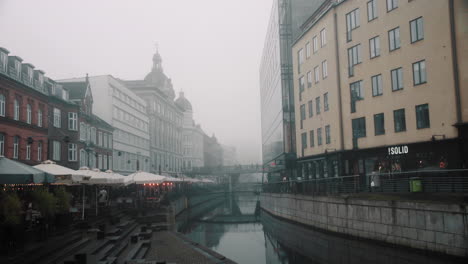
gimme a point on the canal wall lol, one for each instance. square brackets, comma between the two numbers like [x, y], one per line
[183, 203]
[436, 227]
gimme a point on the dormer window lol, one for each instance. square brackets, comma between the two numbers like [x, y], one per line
[3, 61]
[30, 75]
[18, 69]
[53, 88]
[65, 95]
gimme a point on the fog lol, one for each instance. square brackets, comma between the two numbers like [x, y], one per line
[210, 48]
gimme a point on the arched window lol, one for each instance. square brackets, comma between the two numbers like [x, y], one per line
[29, 114]
[2, 105]
[15, 147]
[17, 110]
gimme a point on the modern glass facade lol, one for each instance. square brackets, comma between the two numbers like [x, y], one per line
[276, 84]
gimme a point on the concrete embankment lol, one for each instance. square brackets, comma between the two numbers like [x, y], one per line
[438, 227]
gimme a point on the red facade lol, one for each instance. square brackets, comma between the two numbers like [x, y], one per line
[20, 139]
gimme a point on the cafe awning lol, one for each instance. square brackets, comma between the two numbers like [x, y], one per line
[63, 175]
[14, 172]
[142, 177]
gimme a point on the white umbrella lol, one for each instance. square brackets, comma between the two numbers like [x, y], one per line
[118, 178]
[142, 177]
[63, 175]
[172, 179]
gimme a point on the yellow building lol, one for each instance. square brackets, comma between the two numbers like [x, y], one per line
[381, 85]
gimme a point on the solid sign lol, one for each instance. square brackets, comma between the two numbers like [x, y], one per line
[398, 150]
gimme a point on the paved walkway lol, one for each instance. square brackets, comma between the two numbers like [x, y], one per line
[172, 248]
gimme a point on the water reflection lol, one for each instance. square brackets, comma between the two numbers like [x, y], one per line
[272, 240]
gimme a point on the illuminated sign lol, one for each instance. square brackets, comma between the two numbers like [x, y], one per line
[398, 150]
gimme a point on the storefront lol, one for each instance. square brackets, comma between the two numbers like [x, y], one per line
[434, 154]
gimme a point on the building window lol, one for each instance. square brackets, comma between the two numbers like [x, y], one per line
[323, 37]
[2, 145]
[93, 135]
[301, 87]
[315, 44]
[422, 116]
[100, 161]
[300, 59]
[57, 117]
[397, 79]
[311, 109]
[104, 140]
[316, 74]
[39, 117]
[2, 105]
[394, 39]
[72, 121]
[357, 93]
[419, 72]
[379, 124]
[374, 46]
[327, 134]
[391, 4]
[28, 152]
[39, 151]
[83, 159]
[82, 131]
[17, 110]
[307, 50]
[319, 136]
[309, 79]
[302, 115]
[56, 149]
[72, 152]
[312, 138]
[110, 141]
[377, 85]
[399, 120]
[105, 162]
[325, 102]
[317, 105]
[372, 10]
[304, 140]
[354, 58]
[359, 127]
[15, 147]
[417, 29]
[324, 69]
[100, 143]
[28, 114]
[352, 22]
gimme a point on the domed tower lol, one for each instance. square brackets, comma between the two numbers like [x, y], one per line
[186, 107]
[157, 77]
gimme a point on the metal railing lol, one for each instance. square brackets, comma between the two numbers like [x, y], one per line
[429, 181]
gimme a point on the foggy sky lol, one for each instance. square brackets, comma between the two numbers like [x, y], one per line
[210, 48]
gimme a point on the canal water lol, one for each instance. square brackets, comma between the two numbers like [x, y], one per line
[230, 227]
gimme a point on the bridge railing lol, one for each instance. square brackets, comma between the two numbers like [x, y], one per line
[401, 182]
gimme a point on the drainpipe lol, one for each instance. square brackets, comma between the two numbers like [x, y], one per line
[456, 77]
[338, 85]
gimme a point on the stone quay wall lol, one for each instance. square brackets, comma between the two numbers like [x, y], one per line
[429, 226]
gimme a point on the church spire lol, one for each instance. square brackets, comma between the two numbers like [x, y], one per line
[157, 60]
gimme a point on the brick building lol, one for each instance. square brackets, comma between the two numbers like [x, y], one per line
[63, 126]
[23, 110]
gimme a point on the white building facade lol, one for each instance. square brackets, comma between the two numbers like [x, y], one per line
[192, 137]
[126, 112]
